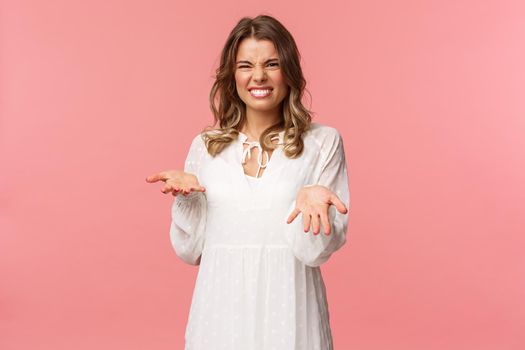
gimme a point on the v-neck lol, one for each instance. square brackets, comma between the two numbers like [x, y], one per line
[276, 155]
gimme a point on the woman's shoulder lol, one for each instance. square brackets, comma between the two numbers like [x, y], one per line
[197, 140]
[323, 134]
[200, 138]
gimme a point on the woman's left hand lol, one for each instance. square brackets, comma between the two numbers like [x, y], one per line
[313, 202]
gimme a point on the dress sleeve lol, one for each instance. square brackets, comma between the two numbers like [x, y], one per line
[188, 214]
[313, 250]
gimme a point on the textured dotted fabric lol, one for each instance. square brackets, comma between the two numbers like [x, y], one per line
[259, 284]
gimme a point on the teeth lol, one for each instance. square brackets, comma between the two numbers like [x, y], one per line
[258, 92]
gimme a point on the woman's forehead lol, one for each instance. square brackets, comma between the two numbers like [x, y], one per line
[253, 50]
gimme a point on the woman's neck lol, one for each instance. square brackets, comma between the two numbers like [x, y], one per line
[257, 122]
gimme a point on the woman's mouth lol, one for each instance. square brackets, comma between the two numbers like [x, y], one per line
[260, 93]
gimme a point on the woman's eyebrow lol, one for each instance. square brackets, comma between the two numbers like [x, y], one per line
[268, 60]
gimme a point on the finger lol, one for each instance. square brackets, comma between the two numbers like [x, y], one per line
[197, 188]
[166, 189]
[187, 192]
[293, 215]
[172, 187]
[339, 205]
[156, 177]
[326, 223]
[306, 222]
[315, 220]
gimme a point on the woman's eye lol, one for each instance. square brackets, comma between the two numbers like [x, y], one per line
[276, 64]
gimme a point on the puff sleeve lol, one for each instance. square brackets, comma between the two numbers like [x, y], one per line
[188, 214]
[313, 250]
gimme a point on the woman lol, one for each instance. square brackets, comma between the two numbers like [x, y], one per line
[259, 284]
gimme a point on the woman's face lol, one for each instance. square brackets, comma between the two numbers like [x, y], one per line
[258, 66]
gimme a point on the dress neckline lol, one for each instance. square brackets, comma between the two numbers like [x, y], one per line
[253, 177]
[243, 137]
[246, 152]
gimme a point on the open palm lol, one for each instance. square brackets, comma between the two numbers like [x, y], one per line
[177, 181]
[313, 201]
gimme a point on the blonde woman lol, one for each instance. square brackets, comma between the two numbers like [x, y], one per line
[261, 203]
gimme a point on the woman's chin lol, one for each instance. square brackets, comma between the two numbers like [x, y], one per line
[262, 108]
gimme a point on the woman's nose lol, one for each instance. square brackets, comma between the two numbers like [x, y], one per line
[259, 73]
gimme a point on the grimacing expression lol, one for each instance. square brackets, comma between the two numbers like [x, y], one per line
[258, 76]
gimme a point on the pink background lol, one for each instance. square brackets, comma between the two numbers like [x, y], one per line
[429, 96]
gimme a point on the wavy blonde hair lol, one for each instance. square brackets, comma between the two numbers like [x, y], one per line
[230, 111]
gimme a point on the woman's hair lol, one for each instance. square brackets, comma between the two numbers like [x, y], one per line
[230, 111]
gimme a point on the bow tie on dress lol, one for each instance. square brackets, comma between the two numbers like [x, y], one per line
[247, 153]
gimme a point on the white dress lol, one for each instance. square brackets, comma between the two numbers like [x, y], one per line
[259, 285]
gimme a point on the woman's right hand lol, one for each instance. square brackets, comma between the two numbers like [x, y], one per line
[177, 181]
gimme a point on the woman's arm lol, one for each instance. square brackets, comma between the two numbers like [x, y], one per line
[188, 213]
[313, 250]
